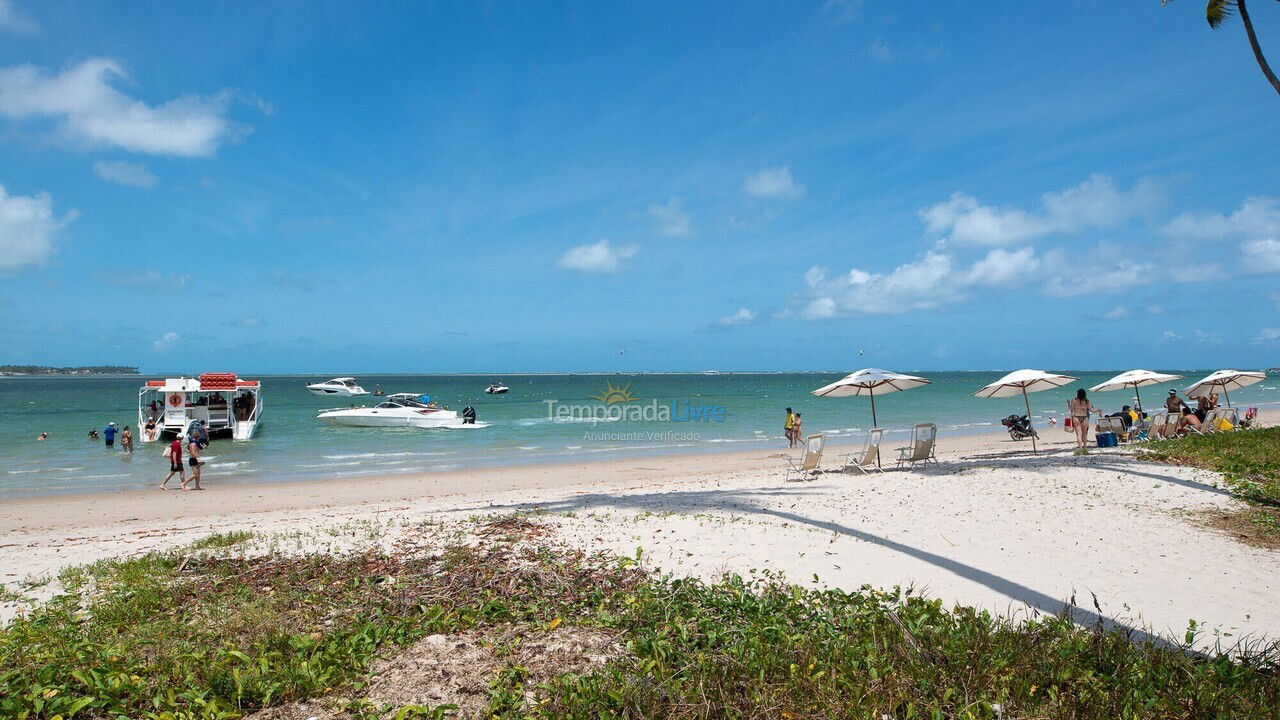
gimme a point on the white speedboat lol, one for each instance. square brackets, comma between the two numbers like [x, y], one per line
[398, 410]
[338, 387]
[496, 389]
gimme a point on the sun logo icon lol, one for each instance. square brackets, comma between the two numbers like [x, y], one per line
[612, 394]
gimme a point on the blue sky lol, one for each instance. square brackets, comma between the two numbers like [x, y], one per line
[444, 187]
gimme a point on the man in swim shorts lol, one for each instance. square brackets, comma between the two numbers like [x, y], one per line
[174, 454]
[193, 461]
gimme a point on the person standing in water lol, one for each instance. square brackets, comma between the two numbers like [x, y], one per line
[126, 439]
[174, 453]
[109, 434]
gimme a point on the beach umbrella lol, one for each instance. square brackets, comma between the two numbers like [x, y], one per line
[1021, 382]
[870, 382]
[1225, 380]
[1134, 379]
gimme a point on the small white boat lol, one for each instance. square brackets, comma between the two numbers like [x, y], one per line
[496, 389]
[337, 387]
[398, 410]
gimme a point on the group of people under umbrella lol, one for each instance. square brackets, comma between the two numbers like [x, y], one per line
[873, 381]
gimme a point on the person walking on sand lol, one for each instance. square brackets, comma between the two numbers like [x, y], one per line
[787, 426]
[193, 462]
[795, 431]
[1079, 408]
[174, 453]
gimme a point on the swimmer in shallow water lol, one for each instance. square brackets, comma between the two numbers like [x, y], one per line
[43, 436]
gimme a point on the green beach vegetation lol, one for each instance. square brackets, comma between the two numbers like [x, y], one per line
[214, 631]
[1250, 464]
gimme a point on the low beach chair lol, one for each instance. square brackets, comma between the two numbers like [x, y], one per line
[923, 439]
[810, 461]
[1250, 417]
[869, 458]
[1171, 425]
[1209, 425]
[1156, 431]
[1111, 425]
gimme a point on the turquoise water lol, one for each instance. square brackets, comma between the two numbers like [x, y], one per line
[291, 444]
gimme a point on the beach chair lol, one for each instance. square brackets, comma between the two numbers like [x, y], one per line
[1156, 431]
[1171, 425]
[1250, 417]
[1209, 425]
[1111, 425]
[869, 458]
[923, 440]
[1231, 416]
[810, 461]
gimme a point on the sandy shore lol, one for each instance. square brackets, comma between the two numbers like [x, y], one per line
[990, 526]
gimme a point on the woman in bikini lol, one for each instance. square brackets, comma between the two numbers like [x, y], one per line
[1079, 408]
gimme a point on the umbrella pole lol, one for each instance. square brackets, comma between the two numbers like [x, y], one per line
[873, 419]
[1138, 395]
[1227, 395]
[1034, 451]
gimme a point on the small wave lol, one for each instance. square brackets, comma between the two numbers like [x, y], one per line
[316, 466]
[572, 447]
[355, 456]
[103, 477]
[733, 440]
[237, 463]
[528, 447]
[23, 472]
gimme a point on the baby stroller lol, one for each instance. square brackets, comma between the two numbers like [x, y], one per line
[1020, 427]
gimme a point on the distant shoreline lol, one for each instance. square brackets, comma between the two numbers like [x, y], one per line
[77, 371]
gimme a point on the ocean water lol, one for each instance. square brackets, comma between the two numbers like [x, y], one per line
[292, 445]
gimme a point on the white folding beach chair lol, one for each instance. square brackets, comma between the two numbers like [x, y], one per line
[1171, 425]
[1112, 425]
[869, 458]
[923, 440]
[1209, 425]
[810, 461]
[1156, 431]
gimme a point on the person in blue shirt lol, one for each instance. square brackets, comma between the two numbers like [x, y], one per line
[109, 434]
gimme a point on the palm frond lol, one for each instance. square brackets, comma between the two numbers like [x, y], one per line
[1217, 12]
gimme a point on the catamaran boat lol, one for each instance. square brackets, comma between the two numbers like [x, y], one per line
[496, 389]
[340, 387]
[399, 410]
[227, 405]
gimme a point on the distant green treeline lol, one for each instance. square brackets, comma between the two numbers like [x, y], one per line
[85, 370]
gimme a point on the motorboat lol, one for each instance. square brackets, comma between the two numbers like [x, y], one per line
[496, 389]
[225, 404]
[337, 387]
[399, 410]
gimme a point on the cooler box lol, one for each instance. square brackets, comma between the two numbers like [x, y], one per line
[1108, 439]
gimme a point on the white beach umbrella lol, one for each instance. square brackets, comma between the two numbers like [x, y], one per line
[1225, 380]
[870, 382]
[1021, 382]
[1134, 379]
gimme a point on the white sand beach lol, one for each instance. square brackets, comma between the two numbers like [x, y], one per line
[990, 526]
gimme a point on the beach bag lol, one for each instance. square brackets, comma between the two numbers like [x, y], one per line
[1224, 424]
[1066, 425]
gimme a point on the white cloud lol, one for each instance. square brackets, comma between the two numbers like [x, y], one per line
[1259, 257]
[166, 343]
[12, 21]
[1004, 268]
[1094, 203]
[742, 317]
[150, 280]
[772, 183]
[125, 173]
[1170, 336]
[1256, 217]
[600, 257]
[1208, 338]
[671, 219]
[918, 285]
[27, 229]
[1275, 298]
[93, 112]
[1267, 335]
[1117, 313]
[880, 51]
[1105, 270]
